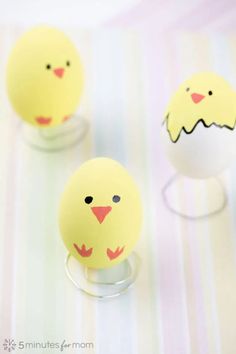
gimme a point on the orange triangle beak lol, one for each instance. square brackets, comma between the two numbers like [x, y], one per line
[59, 72]
[196, 97]
[101, 212]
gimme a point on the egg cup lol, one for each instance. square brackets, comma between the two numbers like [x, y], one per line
[104, 283]
[58, 138]
[209, 196]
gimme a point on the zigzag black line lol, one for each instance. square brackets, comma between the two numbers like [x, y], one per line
[199, 120]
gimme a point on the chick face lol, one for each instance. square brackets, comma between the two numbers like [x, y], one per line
[44, 77]
[100, 213]
[206, 98]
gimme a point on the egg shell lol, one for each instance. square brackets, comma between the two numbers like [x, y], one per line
[202, 154]
[44, 77]
[117, 234]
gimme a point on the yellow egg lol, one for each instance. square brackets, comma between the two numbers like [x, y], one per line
[199, 126]
[44, 77]
[205, 97]
[100, 213]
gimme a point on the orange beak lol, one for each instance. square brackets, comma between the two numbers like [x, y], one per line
[101, 212]
[59, 72]
[196, 97]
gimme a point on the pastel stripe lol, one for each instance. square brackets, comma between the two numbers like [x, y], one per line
[175, 339]
[136, 132]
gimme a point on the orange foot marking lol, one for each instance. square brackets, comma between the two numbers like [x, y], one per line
[66, 118]
[83, 251]
[114, 254]
[43, 120]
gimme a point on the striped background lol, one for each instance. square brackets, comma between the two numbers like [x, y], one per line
[184, 301]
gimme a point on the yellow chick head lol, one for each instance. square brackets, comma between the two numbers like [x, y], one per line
[206, 98]
[100, 213]
[44, 77]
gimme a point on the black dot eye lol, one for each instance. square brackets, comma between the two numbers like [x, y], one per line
[116, 198]
[210, 93]
[48, 66]
[187, 89]
[68, 63]
[88, 200]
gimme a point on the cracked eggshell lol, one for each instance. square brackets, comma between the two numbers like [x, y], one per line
[204, 153]
[199, 127]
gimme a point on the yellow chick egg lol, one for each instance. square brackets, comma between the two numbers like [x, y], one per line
[100, 214]
[44, 77]
[198, 130]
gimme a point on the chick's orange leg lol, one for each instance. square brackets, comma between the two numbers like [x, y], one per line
[114, 254]
[66, 118]
[83, 251]
[43, 120]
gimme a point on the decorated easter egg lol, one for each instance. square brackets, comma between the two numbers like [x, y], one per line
[100, 213]
[199, 126]
[44, 77]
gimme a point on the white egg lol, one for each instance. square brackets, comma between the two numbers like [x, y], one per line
[204, 153]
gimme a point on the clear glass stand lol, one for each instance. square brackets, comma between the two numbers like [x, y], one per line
[55, 139]
[103, 283]
[194, 198]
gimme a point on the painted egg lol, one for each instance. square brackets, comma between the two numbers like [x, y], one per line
[199, 127]
[100, 214]
[44, 77]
